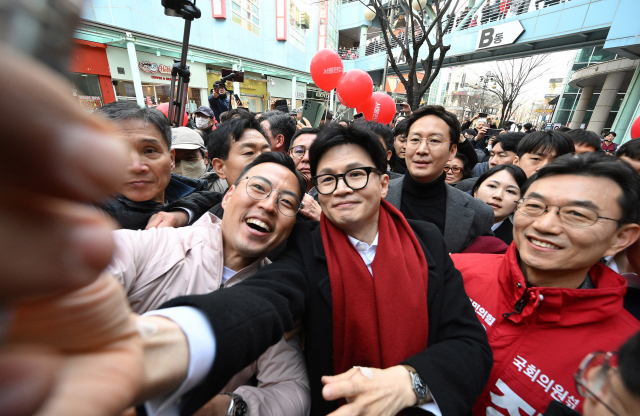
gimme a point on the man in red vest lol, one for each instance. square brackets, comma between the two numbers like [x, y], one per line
[548, 301]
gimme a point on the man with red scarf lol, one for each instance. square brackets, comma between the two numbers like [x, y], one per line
[373, 291]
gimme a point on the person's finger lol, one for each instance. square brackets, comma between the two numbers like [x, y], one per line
[27, 376]
[50, 246]
[154, 221]
[343, 389]
[63, 150]
[341, 377]
[75, 321]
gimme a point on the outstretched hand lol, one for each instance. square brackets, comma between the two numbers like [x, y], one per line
[89, 338]
[385, 394]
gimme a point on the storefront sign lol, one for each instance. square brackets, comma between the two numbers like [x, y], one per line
[281, 19]
[147, 66]
[555, 81]
[89, 102]
[322, 24]
[153, 69]
[500, 35]
[317, 95]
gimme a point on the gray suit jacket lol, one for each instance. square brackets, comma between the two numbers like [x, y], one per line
[466, 218]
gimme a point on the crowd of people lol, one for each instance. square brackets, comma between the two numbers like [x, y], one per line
[251, 264]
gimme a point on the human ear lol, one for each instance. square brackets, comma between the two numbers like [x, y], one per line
[227, 196]
[172, 152]
[516, 159]
[453, 152]
[384, 182]
[219, 166]
[625, 236]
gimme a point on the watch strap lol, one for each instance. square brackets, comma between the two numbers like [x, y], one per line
[235, 400]
[415, 378]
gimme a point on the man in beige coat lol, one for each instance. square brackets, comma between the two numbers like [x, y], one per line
[160, 264]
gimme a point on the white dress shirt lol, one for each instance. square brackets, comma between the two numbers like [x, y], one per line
[202, 344]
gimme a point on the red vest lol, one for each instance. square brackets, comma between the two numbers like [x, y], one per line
[540, 335]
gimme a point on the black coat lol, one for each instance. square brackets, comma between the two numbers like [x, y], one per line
[134, 215]
[253, 315]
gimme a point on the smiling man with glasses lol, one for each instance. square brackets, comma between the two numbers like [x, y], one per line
[160, 264]
[422, 194]
[549, 301]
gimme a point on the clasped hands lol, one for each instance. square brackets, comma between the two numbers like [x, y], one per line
[385, 394]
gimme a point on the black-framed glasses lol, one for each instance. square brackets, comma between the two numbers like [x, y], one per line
[590, 388]
[577, 216]
[298, 152]
[355, 179]
[260, 188]
[454, 169]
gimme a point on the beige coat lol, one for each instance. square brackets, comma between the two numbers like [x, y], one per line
[160, 264]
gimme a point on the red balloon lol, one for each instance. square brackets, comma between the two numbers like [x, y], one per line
[326, 69]
[164, 109]
[355, 87]
[379, 108]
[635, 129]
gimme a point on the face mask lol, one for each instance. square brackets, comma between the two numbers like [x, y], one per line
[202, 122]
[190, 169]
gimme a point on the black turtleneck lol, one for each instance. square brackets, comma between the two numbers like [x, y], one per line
[401, 166]
[425, 201]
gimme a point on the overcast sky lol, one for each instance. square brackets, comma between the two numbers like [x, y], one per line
[558, 66]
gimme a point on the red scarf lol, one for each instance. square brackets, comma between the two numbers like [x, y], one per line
[380, 320]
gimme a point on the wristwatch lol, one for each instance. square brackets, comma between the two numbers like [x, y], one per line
[419, 387]
[237, 407]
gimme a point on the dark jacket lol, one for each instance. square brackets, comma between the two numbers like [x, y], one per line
[466, 217]
[219, 105]
[249, 317]
[134, 215]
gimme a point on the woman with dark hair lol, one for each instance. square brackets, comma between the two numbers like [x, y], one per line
[457, 169]
[499, 187]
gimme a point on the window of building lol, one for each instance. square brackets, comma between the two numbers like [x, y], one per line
[246, 13]
[297, 32]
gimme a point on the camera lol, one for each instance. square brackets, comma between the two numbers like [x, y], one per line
[181, 8]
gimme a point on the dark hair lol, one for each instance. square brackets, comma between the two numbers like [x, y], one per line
[509, 141]
[546, 142]
[327, 115]
[386, 134]
[306, 130]
[630, 149]
[586, 137]
[628, 364]
[282, 124]
[444, 115]
[401, 128]
[234, 112]
[265, 116]
[472, 132]
[127, 110]
[280, 159]
[527, 126]
[563, 129]
[612, 133]
[515, 171]
[382, 131]
[219, 140]
[599, 165]
[336, 135]
[466, 169]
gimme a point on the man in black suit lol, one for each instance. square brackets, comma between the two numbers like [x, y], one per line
[422, 194]
[426, 346]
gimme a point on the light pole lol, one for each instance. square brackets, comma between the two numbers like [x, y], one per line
[484, 80]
